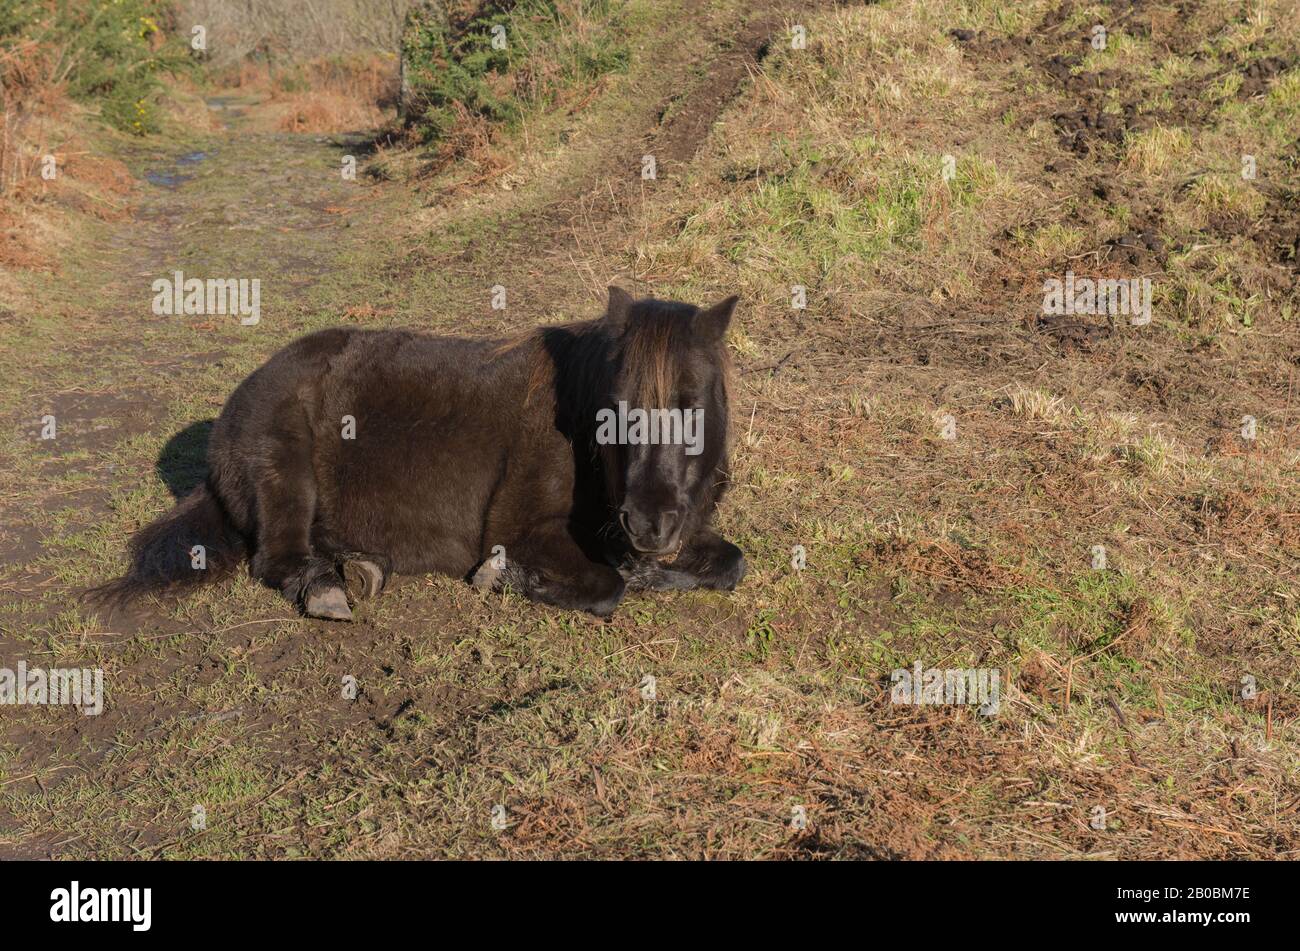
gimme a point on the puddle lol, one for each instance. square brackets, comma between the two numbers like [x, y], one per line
[174, 178]
[166, 179]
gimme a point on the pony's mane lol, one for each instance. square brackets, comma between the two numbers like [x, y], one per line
[579, 360]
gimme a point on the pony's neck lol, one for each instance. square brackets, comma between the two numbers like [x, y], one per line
[584, 360]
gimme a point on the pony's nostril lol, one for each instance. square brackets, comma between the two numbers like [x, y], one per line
[631, 522]
[668, 522]
[649, 532]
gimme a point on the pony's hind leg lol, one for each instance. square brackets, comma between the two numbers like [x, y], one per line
[285, 491]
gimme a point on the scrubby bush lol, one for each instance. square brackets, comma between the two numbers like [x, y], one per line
[451, 67]
[107, 52]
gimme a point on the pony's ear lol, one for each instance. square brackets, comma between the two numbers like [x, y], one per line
[620, 305]
[711, 323]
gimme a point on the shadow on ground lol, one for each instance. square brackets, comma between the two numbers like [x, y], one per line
[183, 462]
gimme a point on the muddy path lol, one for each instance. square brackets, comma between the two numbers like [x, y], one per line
[115, 374]
[230, 203]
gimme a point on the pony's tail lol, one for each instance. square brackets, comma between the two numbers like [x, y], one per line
[191, 545]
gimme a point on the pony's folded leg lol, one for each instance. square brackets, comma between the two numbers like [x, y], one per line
[550, 567]
[365, 576]
[649, 575]
[711, 561]
[285, 491]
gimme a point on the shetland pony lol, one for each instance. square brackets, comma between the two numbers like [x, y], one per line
[353, 454]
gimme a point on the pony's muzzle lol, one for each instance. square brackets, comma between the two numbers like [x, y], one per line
[655, 534]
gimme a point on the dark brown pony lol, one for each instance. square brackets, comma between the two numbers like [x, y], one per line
[352, 454]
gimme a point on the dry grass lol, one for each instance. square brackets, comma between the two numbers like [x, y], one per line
[1156, 150]
[28, 101]
[295, 31]
[39, 215]
[322, 95]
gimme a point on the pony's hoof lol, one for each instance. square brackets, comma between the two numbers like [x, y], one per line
[330, 604]
[364, 579]
[486, 577]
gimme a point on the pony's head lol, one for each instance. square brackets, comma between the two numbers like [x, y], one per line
[663, 430]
